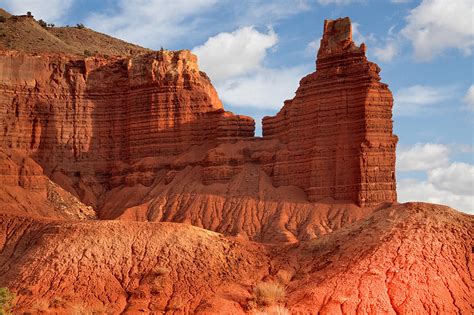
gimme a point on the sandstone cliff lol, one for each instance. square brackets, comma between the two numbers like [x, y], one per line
[146, 138]
[338, 127]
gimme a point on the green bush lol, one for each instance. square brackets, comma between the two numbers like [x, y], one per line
[80, 26]
[6, 301]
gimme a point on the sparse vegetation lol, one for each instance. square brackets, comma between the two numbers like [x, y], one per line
[6, 301]
[28, 14]
[274, 310]
[87, 53]
[80, 26]
[268, 293]
[2, 19]
[42, 23]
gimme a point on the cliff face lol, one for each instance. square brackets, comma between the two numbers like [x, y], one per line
[338, 127]
[84, 118]
[146, 138]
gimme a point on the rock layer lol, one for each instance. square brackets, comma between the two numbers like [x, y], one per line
[146, 138]
[338, 127]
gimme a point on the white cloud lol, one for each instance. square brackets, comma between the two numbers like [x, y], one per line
[437, 25]
[469, 98]
[417, 99]
[235, 62]
[266, 89]
[386, 53]
[457, 178]
[152, 23]
[422, 157]
[50, 10]
[312, 47]
[338, 2]
[233, 54]
[416, 190]
[449, 183]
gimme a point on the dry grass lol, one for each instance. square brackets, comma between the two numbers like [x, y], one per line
[269, 293]
[274, 310]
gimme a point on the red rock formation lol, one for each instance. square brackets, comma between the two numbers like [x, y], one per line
[84, 117]
[146, 138]
[338, 127]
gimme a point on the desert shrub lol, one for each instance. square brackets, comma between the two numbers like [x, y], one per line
[2, 19]
[87, 53]
[274, 310]
[80, 26]
[43, 24]
[268, 293]
[6, 301]
[28, 14]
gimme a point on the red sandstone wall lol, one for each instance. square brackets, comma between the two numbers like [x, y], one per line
[87, 115]
[338, 127]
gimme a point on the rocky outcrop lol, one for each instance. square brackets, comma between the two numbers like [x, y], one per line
[83, 118]
[338, 127]
[146, 138]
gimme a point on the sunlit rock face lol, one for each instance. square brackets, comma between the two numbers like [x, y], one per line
[338, 127]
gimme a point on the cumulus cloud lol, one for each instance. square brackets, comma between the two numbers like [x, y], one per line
[445, 182]
[265, 89]
[50, 11]
[233, 54]
[235, 62]
[416, 190]
[469, 98]
[438, 25]
[457, 178]
[312, 47]
[422, 157]
[152, 23]
[327, 2]
[418, 99]
[386, 53]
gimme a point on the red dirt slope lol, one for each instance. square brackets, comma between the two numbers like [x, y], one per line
[409, 259]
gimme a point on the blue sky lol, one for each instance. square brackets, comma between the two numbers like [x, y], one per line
[256, 51]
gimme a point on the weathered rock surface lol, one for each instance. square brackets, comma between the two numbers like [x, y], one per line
[338, 127]
[146, 138]
[407, 259]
